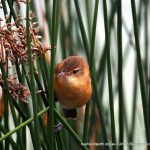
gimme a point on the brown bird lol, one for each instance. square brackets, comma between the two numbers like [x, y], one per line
[72, 84]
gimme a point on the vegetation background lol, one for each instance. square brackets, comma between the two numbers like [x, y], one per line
[114, 38]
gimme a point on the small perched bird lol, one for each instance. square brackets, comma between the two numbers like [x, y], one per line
[72, 84]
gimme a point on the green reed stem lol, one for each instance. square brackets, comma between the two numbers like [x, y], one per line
[82, 29]
[70, 130]
[20, 107]
[50, 130]
[11, 9]
[59, 139]
[146, 23]
[135, 88]
[48, 16]
[88, 18]
[86, 120]
[11, 141]
[93, 34]
[22, 125]
[121, 104]
[111, 100]
[70, 27]
[146, 46]
[86, 123]
[130, 33]
[111, 22]
[141, 73]
[95, 90]
[34, 100]
[6, 119]
[10, 100]
[4, 8]
[60, 118]
[63, 36]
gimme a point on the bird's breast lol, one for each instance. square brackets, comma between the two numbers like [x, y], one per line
[72, 93]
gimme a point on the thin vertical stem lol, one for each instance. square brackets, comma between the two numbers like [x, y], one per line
[146, 39]
[4, 8]
[140, 71]
[111, 19]
[88, 17]
[82, 29]
[48, 16]
[11, 9]
[131, 136]
[70, 17]
[51, 81]
[85, 131]
[121, 104]
[111, 100]
[6, 119]
[93, 35]
[34, 100]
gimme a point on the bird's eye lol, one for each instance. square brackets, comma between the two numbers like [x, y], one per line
[75, 71]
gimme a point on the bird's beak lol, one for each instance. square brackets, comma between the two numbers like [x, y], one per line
[61, 74]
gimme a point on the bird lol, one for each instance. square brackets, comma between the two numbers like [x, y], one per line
[72, 84]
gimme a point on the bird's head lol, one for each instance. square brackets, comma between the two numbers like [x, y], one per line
[72, 70]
